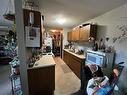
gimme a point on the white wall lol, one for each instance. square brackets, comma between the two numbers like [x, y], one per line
[109, 24]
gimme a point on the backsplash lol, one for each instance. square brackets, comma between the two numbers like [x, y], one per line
[83, 46]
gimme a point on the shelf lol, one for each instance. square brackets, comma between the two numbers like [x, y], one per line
[15, 77]
[16, 85]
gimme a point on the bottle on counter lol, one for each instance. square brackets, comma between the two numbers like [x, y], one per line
[95, 47]
[101, 45]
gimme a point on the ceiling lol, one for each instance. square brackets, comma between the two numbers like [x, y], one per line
[74, 12]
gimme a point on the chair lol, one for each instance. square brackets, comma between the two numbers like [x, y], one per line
[86, 75]
[115, 80]
[108, 87]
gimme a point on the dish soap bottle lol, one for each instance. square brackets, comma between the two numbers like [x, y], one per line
[95, 47]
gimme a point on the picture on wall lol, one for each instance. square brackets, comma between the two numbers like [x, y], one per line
[32, 36]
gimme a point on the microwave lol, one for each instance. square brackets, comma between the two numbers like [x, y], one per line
[99, 58]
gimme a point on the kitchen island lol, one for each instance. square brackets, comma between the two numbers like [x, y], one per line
[41, 77]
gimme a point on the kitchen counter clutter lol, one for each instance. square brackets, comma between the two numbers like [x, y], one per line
[44, 61]
[82, 56]
[39, 58]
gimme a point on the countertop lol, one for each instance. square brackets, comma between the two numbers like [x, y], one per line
[45, 61]
[77, 55]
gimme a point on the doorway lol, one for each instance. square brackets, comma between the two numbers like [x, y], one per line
[57, 42]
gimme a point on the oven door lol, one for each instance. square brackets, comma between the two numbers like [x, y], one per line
[93, 58]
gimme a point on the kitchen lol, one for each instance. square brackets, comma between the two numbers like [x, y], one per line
[111, 24]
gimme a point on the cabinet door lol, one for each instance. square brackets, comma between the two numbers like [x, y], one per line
[93, 31]
[41, 81]
[75, 35]
[37, 18]
[65, 57]
[76, 65]
[69, 36]
[72, 35]
[84, 33]
[73, 62]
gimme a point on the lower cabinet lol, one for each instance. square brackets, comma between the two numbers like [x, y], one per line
[41, 81]
[66, 57]
[73, 62]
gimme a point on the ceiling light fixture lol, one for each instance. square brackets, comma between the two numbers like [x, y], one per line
[60, 20]
[53, 30]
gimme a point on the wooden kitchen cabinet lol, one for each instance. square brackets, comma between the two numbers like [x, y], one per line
[75, 34]
[41, 80]
[75, 65]
[37, 18]
[87, 31]
[36, 26]
[73, 62]
[69, 36]
[83, 33]
[66, 57]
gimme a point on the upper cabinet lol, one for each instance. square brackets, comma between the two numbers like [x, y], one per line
[75, 34]
[83, 33]
[36, 18]
[32, 25]
[69, 36]
[87, 31]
